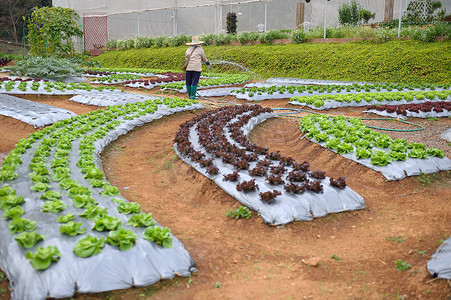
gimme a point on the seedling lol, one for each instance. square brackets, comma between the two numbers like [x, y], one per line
[425, 179]
[402, 265]
[334, 256]
[218, 285]
[240, 212]
[398, 239]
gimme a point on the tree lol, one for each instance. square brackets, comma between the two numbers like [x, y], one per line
[366, 15]
[349, 14]
[231, 22]
[11, 13]
[51, 30]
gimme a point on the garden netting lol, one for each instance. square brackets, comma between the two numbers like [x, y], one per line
[33, 113]
[440, 263]
[144, 264]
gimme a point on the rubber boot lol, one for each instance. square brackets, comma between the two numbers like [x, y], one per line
[188, 90]
[193, 92]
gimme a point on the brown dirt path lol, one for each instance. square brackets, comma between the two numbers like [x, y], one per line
[246, 259]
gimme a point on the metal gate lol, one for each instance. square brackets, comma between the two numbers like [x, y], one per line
[95, 27]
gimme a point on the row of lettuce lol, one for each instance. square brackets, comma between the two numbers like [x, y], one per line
[350, 135]
[57, 140]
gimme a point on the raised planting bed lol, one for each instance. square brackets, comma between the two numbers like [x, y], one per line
[440, 264]
[115, 78]
[39, 86]
[64, 228]
[395, 159]
[211, 80]
[279, 188]
[33, 113]
[422, 110]
[325, 102]
[264, 92]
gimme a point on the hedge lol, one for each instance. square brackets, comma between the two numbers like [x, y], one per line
[404, 61]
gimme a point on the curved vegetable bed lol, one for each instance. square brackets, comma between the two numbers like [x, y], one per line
[64, 229]
[422, 110]
[279, 188]
[365, 99]
[395, 159]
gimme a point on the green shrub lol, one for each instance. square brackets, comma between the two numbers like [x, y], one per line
[298, 36]
[223, 38]
[208, 38]
[143, 42]
[111, 45]
[130, 43]
[45, 67]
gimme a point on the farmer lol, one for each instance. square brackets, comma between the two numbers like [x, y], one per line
[196, 56]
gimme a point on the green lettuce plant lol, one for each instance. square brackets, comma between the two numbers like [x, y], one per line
[53, 206]
[141, 220]
[123, 238]
[18, 225]
[28, 239]
[161, 236]
[43, 257]
[106, 223]
[89, 246]
[66, 218]
[72, 228]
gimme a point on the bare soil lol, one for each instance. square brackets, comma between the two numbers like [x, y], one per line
[246, 259]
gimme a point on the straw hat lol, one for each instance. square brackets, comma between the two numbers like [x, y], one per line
[195, 41]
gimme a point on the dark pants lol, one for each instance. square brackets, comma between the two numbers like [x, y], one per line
[192, 77]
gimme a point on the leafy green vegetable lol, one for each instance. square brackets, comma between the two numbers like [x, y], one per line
[13, 212]
[106, 223]
[72, 228]
[68, 183]
[398, 155]
[83, 200]
[141, 220]
[53, 206]
[43, 257]
[362, 153]
[435, 152]
[380, 158]
[78, 190]
[109, 190]
[35, 177]
[240, 212]
[7, 190]
[128, 208]
[28, 239]
[89, 246]
[18, 225]
[417, 153]
[66, 218]
[51, 195]
[40, 187]
[333, 143]
[159, 235]
[94, 212]
[94, 173]
[123, 238]
[343, 148]
[8, 201]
